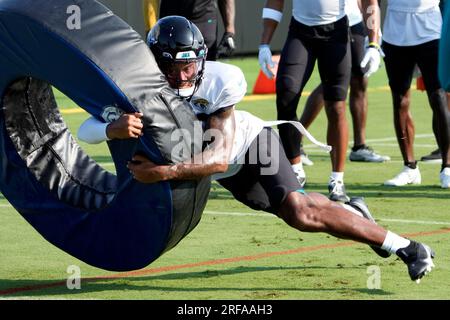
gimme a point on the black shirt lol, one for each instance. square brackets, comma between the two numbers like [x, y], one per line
[194, 10]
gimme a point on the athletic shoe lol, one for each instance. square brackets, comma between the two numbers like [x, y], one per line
[407, 176]
[434, 157]
[305, 159]
[445, 178]
[418, 257]
[359, 204]
[336, 189]
[366, 154]
[300, 174]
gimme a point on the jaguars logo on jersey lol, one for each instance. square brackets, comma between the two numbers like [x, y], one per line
[202, 103]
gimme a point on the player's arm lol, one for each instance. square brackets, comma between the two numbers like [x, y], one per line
[214, 159]
[371, 14]
[227, 45]
[272, 14]
[127, 126]
[372, 57]
[228, 13]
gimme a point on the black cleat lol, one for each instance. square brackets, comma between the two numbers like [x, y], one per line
[359, 204]
[418, 257]
[434, 157]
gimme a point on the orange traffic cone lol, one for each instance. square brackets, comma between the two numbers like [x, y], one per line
[264, 85]
[420, 85]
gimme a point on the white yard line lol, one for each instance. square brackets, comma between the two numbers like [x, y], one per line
[395, 145]
[388, 139]
[267, 215]
[415, 221]
[425, 135]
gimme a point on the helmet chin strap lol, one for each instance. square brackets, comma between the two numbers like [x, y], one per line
[186, 92]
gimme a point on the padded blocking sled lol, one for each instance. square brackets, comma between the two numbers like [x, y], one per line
[108, 221]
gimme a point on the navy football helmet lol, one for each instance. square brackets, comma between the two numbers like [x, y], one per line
[177, 42]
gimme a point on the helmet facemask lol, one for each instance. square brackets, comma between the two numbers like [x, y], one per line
[184, 74]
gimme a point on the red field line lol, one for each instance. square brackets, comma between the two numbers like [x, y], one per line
[206, 263]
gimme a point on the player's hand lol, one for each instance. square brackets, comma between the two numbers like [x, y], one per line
[226, 46]
[127, 126]
[265, 60]
[371, 60]
[145, 171]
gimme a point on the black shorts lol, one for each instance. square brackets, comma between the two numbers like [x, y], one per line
[401, 60]
[328, 44]
[209, 31]
[266, 178]
[358, 34]
[203, 13]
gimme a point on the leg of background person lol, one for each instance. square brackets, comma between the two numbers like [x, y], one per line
[404, 130]
[358, 84]
[441, 123]
[435, 155]
[358, 99]
[337, 133]
[404, 124]
[334, 64]
[428, 64]
[358, 109]
[294, 70]
[313, 106]
[400, 63]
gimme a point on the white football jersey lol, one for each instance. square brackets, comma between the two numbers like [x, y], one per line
[318, 12]
[412, 22]
[224, 85]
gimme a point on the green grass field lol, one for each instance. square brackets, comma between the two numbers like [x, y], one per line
[237, 253]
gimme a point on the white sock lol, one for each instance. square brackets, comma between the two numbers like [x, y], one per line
[338, 176]
[352, 210]
[393, 242]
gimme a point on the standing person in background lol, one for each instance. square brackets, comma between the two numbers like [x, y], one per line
[204, 14]
[358, 90]
[412, 30]
[318, 31]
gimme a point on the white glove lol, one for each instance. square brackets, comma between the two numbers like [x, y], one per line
[380, 40]
[372, 60]
[265, 60]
